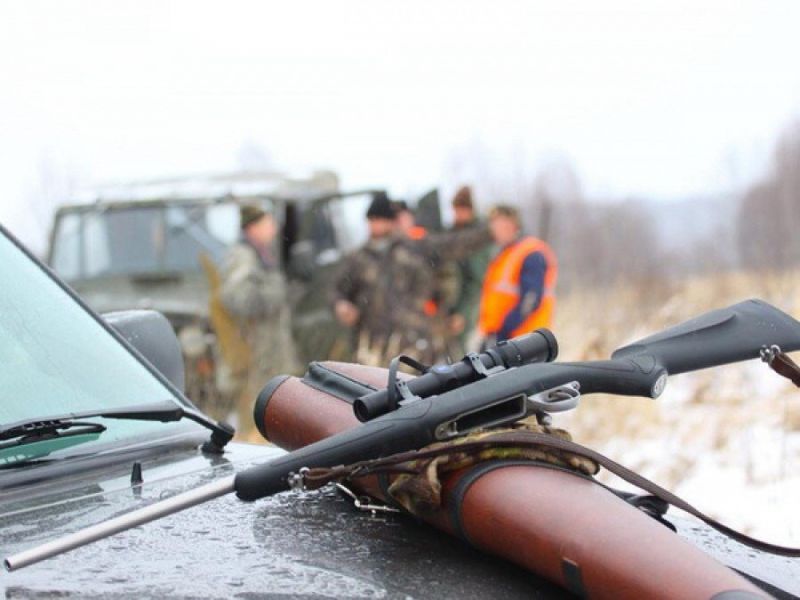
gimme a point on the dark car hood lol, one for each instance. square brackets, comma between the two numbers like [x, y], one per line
[313, 545]
[294, 544]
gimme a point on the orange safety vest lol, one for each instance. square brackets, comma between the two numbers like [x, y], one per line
[417, 232]
[500, 294]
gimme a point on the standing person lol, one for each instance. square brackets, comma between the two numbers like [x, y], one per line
[405, 225]
[441, 272]
[382, 289]
[518, 289]
[470, 271]
[253, 290]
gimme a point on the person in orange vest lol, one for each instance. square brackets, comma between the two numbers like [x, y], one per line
[519, 285]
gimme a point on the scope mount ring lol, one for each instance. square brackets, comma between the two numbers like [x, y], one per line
[397, 387]
[474, 360]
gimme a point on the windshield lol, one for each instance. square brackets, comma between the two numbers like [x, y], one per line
[338, 224]
[140, 240]
[55, 358]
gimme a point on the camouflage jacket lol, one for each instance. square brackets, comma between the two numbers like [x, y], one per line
[255, 294]
[444, 251]
[470, 272]
[390, 281]
[455, 245]
[460, 256]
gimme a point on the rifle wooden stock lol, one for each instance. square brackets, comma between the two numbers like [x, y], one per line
[559, 525]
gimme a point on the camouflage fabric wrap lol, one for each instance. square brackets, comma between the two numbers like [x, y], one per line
[419, 490]
[417, 482]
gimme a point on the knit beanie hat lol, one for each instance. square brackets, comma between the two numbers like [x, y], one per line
[380, 207]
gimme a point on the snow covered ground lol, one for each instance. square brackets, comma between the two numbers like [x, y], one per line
[727, 439]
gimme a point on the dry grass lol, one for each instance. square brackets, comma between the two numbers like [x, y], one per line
[740, 418]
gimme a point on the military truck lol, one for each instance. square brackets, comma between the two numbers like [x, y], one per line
[158, 245]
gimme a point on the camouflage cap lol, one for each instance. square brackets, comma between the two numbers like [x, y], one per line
[249, 214]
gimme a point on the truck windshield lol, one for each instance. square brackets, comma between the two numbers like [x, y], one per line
[140, 240]
[56, 358]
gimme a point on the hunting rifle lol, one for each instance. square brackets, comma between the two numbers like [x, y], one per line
[434, 407]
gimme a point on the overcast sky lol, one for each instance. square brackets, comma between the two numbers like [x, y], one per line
[658, 99]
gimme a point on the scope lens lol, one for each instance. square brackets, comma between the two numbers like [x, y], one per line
[537, 346]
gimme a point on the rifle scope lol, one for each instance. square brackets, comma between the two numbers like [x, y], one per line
[537, 346]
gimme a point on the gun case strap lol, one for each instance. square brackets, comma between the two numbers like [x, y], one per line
[415, 462]
[785, 366]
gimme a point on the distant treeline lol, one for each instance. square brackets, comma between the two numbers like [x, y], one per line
[768, 229]
[605, 241]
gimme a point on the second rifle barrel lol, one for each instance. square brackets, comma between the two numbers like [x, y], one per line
[121, 523]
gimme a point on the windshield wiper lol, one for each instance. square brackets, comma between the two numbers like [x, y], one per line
[34, 430]
[46, 430]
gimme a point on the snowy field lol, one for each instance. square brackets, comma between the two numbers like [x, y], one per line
[727, 439]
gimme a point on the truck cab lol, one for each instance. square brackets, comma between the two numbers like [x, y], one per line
[151, 246]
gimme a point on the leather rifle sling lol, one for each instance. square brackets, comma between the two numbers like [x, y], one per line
[316, 478]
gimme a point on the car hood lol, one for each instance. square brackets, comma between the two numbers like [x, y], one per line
[312, 545]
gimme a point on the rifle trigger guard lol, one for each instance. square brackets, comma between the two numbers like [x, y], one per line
[558, 399]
